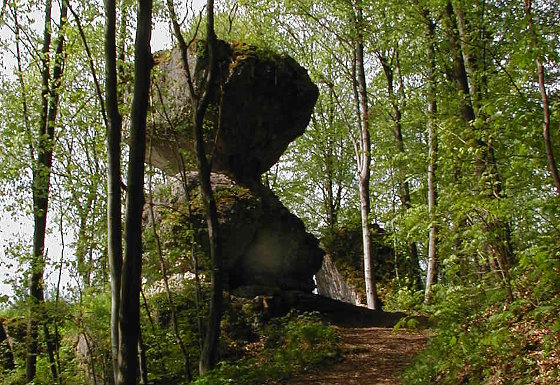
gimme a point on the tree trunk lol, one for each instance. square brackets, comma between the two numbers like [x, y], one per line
[114, 220]
[39, 210]
[41, 179]
[6, 352]
[432, 160]
[469, 56]
[209, 353]
[459, 72]
[84, 267]
[129, 310]
[159, 250]
[51, 350]
[403, 185]
[485, 163]
[544, 97]
[143, 367]
[363, 157]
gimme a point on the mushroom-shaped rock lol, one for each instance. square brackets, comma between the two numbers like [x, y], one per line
[261, 101]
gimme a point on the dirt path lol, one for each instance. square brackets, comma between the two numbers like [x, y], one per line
[371, 356]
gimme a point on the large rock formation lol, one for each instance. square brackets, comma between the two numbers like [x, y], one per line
[260, 103]
[332, 284]
[266, 248]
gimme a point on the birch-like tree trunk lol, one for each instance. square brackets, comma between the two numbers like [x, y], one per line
[432, 160]
[363, 157]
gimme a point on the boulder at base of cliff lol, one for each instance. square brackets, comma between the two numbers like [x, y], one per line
[266, 249]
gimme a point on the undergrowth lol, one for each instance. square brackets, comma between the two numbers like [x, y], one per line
[289, 345]
[479, 338]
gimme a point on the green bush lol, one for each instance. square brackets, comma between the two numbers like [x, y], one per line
[292, 344]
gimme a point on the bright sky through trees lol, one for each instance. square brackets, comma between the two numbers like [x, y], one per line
[22, 226]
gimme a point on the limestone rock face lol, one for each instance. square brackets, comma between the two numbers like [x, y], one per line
[332, 284]
[341, 275]
[261, 102]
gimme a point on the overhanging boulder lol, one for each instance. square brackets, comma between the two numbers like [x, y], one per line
[261, 102]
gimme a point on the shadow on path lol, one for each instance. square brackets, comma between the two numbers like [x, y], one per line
[371, 356]
[372, 352]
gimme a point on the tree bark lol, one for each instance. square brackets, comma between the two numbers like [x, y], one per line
[41, 179]
[129, 310]
[459, 72]
[209, 353]
[363, 157]
[200, 99]
[39, 209]
[544, 97]
[469, 56]
[432, 160]
[114, 220]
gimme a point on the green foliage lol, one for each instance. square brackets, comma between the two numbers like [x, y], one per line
[479, 339]
[59, 317]
[402, 298]
[292, 344]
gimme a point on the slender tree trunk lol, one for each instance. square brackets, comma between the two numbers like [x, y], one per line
[91, 67]
[403, 185]
[129, 310]
[41, 180]
[24, 103]
[432, 160]
[174, 324]
[39, 207]
[6, 352]
[459, 72]
[364, 159]
[330, 187]
[114, 220]
[91, 359]
[469, 57]
[143, 367]
[209, 353]
[544, 97]
[51, 350]
[84, 267]
[467, 77]
[57, 300]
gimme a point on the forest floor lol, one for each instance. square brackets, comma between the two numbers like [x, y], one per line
[370, 356]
